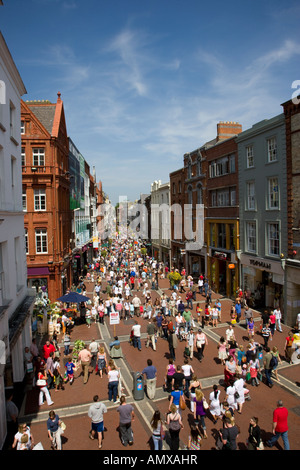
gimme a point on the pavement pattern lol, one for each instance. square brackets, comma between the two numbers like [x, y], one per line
[72, 403]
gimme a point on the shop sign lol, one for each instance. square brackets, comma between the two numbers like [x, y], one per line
[260, 264]
[219, 254]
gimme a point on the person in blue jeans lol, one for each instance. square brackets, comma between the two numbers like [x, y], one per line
[280, 426]
[113, 382]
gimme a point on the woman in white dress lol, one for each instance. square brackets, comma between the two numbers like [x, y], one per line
[242, 391]
[230, 391]
[214, 403]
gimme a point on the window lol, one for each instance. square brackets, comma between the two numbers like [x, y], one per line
[222, 166]
[273, 193]
[273, 239]
[213, 198]
[41, 242]
[179, 187]
[26, 241]
[13, 171]
[221, 235]
[22, 127]
[251, 195]
[223, 197]
[38, 155]
[232, 164]
[174, 188]
[199, 194]
[23, 156]
[190, 195]
[272, 150]
[250, 156]
[39, 200]
[199, 166]
[251, 236]
[232, 197]
[189, 170]
[12, 117]
[24, 199]
[212, 170]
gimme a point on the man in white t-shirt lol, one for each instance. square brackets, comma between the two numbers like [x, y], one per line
[230, 336]
[136, 302]
[136, 330]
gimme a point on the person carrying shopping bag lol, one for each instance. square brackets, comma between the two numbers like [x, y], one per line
[42, 384]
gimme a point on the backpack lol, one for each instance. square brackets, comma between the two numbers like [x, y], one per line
[174, 425]
[273, 362]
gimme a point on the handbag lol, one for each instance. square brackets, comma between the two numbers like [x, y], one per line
[62, 426]
[182, 403]
[205, 404]
[41, 383]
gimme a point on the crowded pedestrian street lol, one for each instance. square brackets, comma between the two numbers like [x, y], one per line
[135, 321]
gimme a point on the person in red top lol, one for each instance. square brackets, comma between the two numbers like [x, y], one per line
[47, 349]
[280, 426]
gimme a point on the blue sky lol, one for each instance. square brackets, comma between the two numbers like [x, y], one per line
[144, 82]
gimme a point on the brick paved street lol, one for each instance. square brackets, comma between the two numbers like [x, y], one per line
[72, 404]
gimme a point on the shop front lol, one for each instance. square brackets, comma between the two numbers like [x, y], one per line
[222, 271]
[263, 281]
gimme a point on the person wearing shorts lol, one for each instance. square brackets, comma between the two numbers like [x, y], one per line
[96, 411]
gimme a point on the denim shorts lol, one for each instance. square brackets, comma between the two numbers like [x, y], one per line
[98, 427]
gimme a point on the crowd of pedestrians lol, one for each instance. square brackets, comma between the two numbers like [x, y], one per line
[124, 279]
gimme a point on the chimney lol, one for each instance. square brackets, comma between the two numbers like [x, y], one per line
[228, 129]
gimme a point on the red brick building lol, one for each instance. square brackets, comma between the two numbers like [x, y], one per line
[46, 195]
[209, 177]
[177, 199]
[222, 214]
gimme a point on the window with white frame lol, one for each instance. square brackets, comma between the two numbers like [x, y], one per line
[272, 150]
[39, 200]
[232, 197]
[222, 166]
[38, 156]
[223, 197]
[273, 239]
[273, 193]
[251, 236]
[22, 127]
[41, 241]
[250, 156]
[23, 156]
[250, 195]
[24, 199]
[26, 242]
